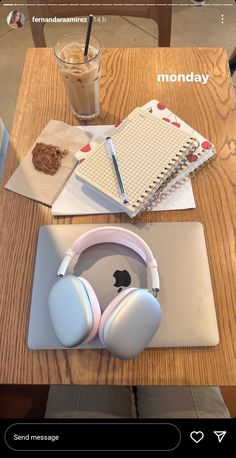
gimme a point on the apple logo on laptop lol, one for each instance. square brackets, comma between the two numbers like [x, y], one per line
[122, 278]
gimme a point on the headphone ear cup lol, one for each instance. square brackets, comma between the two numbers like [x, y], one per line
[74, 311]
[129, 322]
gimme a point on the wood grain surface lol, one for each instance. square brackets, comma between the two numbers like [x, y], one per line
[128, 80]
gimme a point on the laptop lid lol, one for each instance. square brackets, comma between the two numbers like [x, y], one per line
[186, 295]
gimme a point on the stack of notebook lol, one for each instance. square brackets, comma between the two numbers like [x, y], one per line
[153, 155]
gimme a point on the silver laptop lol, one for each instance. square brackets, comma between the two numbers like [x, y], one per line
[186, 295]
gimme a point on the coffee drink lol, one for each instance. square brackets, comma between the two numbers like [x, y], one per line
[81, 74]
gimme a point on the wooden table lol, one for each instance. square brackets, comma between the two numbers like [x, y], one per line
[129, 79]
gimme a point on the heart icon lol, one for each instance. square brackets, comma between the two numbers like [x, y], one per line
[196, 436]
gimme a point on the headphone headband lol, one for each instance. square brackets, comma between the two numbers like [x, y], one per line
[111, 234]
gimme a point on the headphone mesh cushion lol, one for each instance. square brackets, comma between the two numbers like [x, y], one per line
[107, 312]
[95, 308]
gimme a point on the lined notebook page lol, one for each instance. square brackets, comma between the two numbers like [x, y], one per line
[147, 150]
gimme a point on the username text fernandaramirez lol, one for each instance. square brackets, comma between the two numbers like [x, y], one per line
[59, 19]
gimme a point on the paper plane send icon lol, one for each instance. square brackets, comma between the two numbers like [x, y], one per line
[220, 435]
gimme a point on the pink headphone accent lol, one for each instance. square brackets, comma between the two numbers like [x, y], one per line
[111, 234]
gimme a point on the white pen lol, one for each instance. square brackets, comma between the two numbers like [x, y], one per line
[112, 153]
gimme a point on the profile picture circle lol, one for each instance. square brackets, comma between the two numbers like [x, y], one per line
[15, 19]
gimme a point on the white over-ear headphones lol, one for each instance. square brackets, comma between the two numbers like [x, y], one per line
[131, 319]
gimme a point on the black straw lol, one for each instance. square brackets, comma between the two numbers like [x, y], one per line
[90, 21]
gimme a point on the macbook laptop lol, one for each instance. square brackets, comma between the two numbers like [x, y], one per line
[186, 296]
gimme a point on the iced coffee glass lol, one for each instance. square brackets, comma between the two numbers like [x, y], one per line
[81, 74]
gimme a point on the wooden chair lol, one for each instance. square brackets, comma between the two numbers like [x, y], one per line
[161, 14]
[232, 62]
[23, 401]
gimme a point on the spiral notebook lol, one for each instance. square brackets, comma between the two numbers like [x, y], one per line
[150, 153]
[196, 160]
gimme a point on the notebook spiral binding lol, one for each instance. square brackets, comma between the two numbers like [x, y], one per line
[166, 192]
[150, 196]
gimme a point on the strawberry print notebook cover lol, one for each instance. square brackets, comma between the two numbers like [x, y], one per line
[193, 160]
